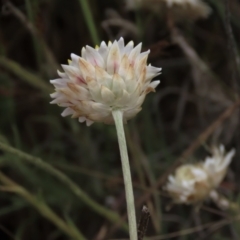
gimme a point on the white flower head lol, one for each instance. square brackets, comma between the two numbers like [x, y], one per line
[181, 9]
[189, 184]
[193, 183]
[110, 77]
[192, 9]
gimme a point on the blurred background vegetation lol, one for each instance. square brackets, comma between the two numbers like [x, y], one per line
[63, 180]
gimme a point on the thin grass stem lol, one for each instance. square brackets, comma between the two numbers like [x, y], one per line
[89, 20]
[42, 207]
[25, 75]
[36, 45]
[108, 214]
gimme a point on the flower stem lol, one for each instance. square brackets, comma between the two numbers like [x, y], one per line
[118, 118]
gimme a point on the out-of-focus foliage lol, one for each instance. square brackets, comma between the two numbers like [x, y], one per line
[200, 80]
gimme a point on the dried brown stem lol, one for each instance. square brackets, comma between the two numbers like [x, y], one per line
[143, 223]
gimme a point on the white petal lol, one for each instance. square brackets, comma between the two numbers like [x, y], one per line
[80, 92]
[89, 122]
[59, 100]
[75, 59]
[228, 158]
[129, 75]
[58, 83]
[134, 97]
[83, 53]
[72, 72]
[103, 50]
[113, 59]
[124, 65]
[128, 48]
[98, 116]
[118, 85]
[86, 68]
[123, 101]
[222, 149]
[141, 62]
[140, 100]
[82, 107]
[94, 89]
[152, 72]
[82, 119]
[121, 45]
[67, 111]
[102, 77]
[61, 74]
[154, 84]
[107, 95]
[65, 104]
[132, 86]
[171, 179]
[93, 56]
[55, 94]
[99, 107]
[131, 113]
[135, 53]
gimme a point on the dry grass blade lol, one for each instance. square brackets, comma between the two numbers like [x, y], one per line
[25, 75]
[110, 215]
[42, 207]
[210, 226]
[28, 25]
[195, 229]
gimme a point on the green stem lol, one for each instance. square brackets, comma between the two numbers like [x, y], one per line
[35, 39]
[25, 75]
[118, 118]
[89, 20]
[110, 215]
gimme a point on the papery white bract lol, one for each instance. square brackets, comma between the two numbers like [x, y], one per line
[216, 165]
[193, 183]
[110, 77]
[181, 9]
[189, 8]
[189, 184]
